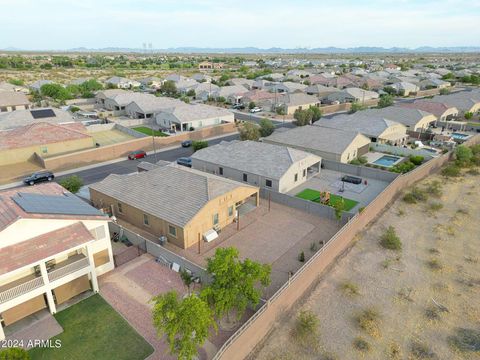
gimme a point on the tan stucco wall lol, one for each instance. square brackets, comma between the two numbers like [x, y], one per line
[12, 156]
[291, 109]
[350, 152]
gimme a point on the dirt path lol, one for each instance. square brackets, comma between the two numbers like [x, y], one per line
[400, 286]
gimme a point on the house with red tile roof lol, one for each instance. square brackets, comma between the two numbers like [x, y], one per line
[44, 139]
[53, 245]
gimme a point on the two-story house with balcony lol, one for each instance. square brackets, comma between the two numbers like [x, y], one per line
[53, 246]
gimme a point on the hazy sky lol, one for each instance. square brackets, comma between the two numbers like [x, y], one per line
[64, 24]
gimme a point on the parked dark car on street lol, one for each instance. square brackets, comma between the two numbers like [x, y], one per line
[139, 154]
[39, 177]
[186, 143]
[238, 107]
[185, 161]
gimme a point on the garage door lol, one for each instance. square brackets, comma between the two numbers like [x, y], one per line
[363, 150]
[24, 309]
[67, 291]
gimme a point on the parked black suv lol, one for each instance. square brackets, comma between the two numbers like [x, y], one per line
[39, 177]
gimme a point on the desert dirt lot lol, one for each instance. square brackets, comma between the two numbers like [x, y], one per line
[418, 297]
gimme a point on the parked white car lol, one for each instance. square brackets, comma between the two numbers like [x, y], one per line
[255, 109]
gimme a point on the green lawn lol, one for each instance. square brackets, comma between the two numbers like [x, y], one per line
[314, 195]
[147, 131]
[94, 330]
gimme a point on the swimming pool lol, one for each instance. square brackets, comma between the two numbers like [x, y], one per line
[387, 160]
[459, 136]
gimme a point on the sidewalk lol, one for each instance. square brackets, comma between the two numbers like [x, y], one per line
[93, 166]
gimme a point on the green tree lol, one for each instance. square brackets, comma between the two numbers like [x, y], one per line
[235, 284]
[249, 131]
[199, 144]
[55, 91]
[444, 91]
[191, 92]
[185, 322]
[169, 88]
[266, 127]
[390, 90]
[72, 183]
[468, 115]
[14, 353]
[385, 101]
[251, 105]
[339, 206]
[356, 107]
[463, 154]
[302, 117]
[316, 113]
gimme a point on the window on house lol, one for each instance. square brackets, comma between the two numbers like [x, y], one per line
[119, 208]
[230, 210]
[172, 230]
[268, 183]
[245, 177]
[145, 220]
[295, 178]
[220, 170]
[215, 219]
[304, 172]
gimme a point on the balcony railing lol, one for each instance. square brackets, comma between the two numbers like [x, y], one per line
[68, 269]
[20, 289]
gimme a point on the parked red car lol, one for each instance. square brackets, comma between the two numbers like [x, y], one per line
[139, 154]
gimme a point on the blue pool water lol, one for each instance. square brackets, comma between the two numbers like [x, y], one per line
[386, 160]
[459, 136]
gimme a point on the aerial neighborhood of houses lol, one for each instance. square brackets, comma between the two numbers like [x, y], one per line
[122, 186]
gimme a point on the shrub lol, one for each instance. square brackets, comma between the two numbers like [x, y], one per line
[72, 183]
[403, 167]
[417, 159]
[306, 326]
[349, 288]
[421, 351]
[394, 352]
[74, 109]
[367, 320]
[415, 195]
[463, 154]
[434, 264]
[435, 206]
[451, 171]
[390, 239]
[313, 247]
[465, 340]
[409, 198]
[266, 127]
[199, 144]
[434, 188]
[301, 257]
[361, 344]
[432, 313]
[355, 162]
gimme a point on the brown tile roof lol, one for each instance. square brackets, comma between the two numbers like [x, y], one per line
[41, 133]
[43, 247]
[11, 212]
[433, 107]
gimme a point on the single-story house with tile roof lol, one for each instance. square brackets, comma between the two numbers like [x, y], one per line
[376, 127]
[10, 101]
[204, 90]
[352, 95]
[116, 100]
[53, 245]
[405, 87]
[434, 83]
[197, 116]
[232, 93]
[275, 167]
[246, 83]
[327, 143]
[320, 90]
[442, 111]
[19, 118]
[259, 97]
[122, 83]
[146, 106]
[44, 139]
[413, 119]
[174, 202]
[293, 101]
[464, 101]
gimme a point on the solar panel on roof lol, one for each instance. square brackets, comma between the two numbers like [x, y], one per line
[66, 204]
[41, 114]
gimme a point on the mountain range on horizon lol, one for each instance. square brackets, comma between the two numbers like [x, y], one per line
[273, 50]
